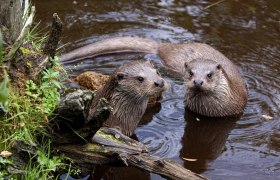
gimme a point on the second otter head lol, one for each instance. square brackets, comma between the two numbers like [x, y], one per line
[202, 76]
[139, 79]
[128, 90]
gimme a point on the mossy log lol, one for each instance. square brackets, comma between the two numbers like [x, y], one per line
[89, 147]
[113, 147]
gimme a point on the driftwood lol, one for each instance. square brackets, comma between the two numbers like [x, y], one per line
[108, 145]
[113, 147]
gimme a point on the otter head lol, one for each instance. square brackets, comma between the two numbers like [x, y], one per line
[202, 76]
[133, 84]
[140, 79]
[207, 87]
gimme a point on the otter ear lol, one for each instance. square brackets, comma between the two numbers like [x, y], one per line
[186, 65]
[119, 76]
[219, 66]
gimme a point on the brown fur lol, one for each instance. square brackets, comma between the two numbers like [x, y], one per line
[229, 96]
[128, 95]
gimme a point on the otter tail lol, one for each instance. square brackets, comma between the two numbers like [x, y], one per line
[114, 45]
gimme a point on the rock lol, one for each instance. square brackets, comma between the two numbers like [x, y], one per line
[91, 80]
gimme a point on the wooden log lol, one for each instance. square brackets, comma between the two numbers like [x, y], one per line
[71, 113]
[163, 167]
[113, 147]
[52, 42]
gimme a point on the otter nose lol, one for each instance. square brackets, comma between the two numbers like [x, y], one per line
[198, 83]
[159, 83]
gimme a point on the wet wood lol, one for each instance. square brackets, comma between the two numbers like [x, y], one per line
[72, 112]
[163, 167]
[52, 42]
[113, 147]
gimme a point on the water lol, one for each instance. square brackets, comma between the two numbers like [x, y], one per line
[247, 32]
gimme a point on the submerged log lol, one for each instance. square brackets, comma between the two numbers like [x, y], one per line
[113, 147]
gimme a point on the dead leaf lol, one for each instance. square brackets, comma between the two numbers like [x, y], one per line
[267, 117]
[5, 154]
[189, 159]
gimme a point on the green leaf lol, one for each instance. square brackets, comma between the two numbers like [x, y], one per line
[42, 159]
[53, 163]
[4, 91]
[57, 84]
[1, 49]
[27, 51]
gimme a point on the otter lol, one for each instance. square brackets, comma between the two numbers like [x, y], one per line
[128, 90]
[214, 87]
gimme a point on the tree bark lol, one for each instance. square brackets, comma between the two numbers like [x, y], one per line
[52, 43]
[12, 17]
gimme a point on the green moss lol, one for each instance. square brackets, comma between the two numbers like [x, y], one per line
[94, 147]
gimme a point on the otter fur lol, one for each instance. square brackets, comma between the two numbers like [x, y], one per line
[222, 94]
[128, 90]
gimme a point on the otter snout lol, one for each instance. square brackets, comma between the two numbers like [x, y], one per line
[197, 83]
[159, 83]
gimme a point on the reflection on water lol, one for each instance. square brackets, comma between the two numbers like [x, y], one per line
[248, 32]
[204, 139]
[118, 173]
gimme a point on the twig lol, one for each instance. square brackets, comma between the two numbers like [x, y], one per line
[214, 4]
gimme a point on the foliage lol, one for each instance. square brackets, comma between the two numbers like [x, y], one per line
[27, 116]
[46, 164]
[4, 92]
[47, 93]
[3, 165]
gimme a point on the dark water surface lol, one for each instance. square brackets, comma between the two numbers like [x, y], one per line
[246, 31]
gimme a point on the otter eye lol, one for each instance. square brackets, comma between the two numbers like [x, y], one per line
[141, 79]
[210, 75]
[190, 73]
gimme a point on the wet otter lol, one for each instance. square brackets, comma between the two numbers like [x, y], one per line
[128, 90]
[214, 86]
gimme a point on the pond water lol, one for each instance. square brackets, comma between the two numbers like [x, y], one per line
[247, 32]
